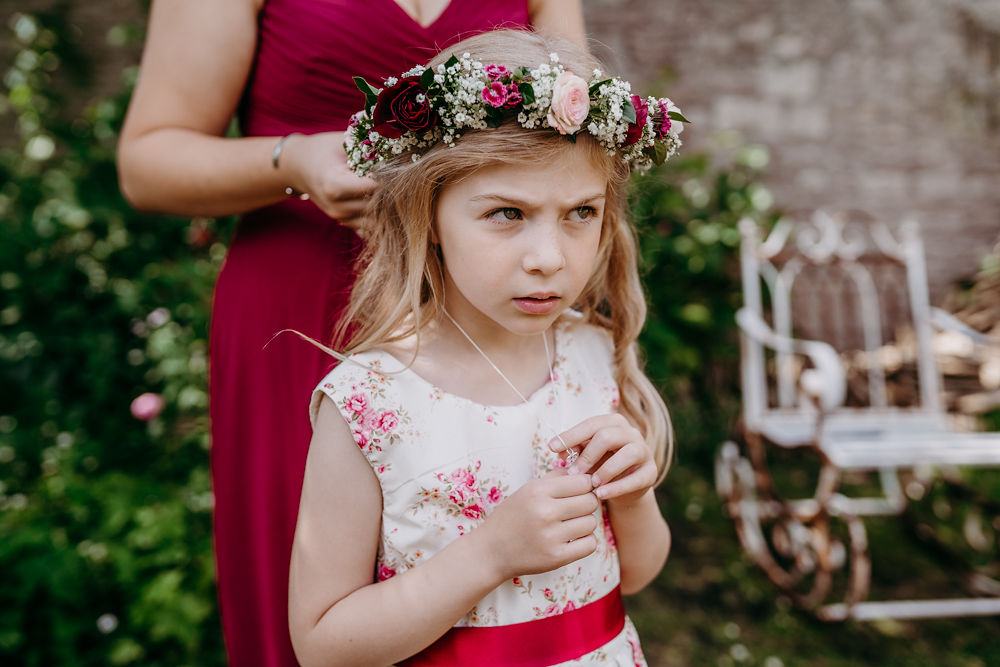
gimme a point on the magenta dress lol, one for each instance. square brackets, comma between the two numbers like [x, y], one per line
[289, 267]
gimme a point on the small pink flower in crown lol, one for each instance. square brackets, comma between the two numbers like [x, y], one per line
[570, 103]
[496, 72]
[664, 125]
[495, 94]
[513, 96]
[634, 132]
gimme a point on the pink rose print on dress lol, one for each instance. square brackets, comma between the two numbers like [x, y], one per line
[385, 572]
[463, 493]
[370, 426]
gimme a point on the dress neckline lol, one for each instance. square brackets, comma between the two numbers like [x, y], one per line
[542, 391]
[414, 21]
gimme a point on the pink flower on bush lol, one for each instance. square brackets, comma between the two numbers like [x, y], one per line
[357, 403]
[387, 421]
[147, 406]
[495, 94]
[385, 572]
[634, 132]
[570, 103]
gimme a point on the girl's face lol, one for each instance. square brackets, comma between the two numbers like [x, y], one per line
[519, 242]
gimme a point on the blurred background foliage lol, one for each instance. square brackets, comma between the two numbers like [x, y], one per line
[105, 518]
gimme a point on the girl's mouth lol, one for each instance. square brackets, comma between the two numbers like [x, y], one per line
[537, 304]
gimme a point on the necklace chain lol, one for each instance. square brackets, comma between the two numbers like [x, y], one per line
[572, 453]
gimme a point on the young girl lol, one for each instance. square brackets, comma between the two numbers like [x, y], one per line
[479, 487]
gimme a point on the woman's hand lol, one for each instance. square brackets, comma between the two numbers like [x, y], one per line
[547, 523]
[317, 164]
[615, 454]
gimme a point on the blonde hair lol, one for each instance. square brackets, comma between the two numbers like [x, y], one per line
[400, 285]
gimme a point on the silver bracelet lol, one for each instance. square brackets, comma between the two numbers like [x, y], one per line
[276, 153]
[275, 156]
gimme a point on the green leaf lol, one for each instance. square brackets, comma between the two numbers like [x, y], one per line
[451, 62]
[594, 87]
[628, 112]
[527, 93]
[676, 115]
[660, 153]
[427, 78]
[364, 87]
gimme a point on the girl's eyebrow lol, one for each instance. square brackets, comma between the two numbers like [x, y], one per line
[513, 199]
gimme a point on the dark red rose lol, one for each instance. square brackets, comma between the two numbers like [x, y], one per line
[403, 107]
[634, 132]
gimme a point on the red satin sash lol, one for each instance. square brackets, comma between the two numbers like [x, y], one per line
[538, 643]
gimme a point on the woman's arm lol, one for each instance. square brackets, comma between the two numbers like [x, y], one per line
[563, 18]
[172, 156]
[337, 615]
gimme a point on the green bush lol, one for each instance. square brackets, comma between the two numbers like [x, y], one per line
[106, 548]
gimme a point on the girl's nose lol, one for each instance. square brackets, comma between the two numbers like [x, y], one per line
[544, 250]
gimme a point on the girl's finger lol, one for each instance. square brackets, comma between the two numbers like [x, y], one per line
[584, 431]
[638, 480]
[605, 441]
[627, 458]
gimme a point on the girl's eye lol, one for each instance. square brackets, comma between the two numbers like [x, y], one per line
[584, 213]
[505, 214]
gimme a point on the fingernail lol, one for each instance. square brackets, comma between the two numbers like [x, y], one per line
[573, 470]
[595, 480]
[600, 493]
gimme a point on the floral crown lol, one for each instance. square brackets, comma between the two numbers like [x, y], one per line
[430, 105]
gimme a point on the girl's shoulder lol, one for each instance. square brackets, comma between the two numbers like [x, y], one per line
[356, 378]
[581, 336]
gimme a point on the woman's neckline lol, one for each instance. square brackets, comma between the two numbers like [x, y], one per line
[434, 21]
[557, 329]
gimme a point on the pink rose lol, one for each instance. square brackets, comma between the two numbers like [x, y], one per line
[634, 132]
[459, 495]
[385, 572]
[494, 496]
[474, 512]
[387, 421]
[357, 403]
[147, 406]
[463, 477]
[360, 437]
[495, 94]
[570, 103]
[552, 610]
[569, 606]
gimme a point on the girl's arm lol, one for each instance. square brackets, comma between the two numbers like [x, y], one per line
[623, 473]
[172, 156]
[563, 18]
[337, 615]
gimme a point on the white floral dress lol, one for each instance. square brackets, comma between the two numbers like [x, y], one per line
[443, 462]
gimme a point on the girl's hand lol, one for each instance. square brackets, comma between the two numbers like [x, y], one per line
[615, 454]
[547, 523]
[317, 164]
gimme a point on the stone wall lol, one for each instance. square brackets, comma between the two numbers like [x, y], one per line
[891, 107]
[887, 106]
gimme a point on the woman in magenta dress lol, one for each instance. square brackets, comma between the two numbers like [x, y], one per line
[284, 68]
